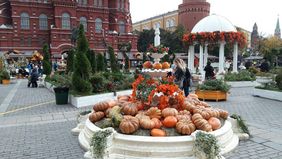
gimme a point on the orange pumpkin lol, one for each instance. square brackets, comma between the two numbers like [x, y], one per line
[112, 103]
[169, 112]
[158, 123]
[157, 66]
[96, 116]
[154, 112]
[142, 115]
[101, 106]
[129, 124]
[147, 123]
[147, 64]
[170, 121]
[185, 127]
[191, 95]
[123, 98]
[215, 123]
[165, 65]
[158, 132]
[129, 109]
[201, 123]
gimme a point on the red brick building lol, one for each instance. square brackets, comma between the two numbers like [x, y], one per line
[25, 25]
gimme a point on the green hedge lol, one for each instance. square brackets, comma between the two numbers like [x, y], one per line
[240, 76]
[214, 85]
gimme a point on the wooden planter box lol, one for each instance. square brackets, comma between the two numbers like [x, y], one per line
[211, 95]
[4, 81]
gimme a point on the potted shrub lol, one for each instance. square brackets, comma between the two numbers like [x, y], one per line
[62, 85]
[264, 78]
[5, 76]
[213, 90]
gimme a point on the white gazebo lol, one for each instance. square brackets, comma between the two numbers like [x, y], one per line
[213, 29]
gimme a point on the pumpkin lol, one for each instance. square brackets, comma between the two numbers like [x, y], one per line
[112, 103]
[107, 112]
[191, 95]
[141, 115]
[204, 113]
[96, 116]
[154, 112]
[129, 109]
[147, 123]
[184, 112]
[170, 121]
[185, 127]
[123, 98]
[158, 123]
[169, 112]
[205, 104]
[101, 106]
[147, 64]
[181, 117]
[201, 123]
[214, 113]
[129, 124]
[215, 123]
[165, 65]
[223, 114]
[157, 66]
[188, 105]
[158, 132]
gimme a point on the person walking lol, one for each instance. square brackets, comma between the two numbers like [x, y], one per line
[182, 75]
[34, 78]
[209, 71]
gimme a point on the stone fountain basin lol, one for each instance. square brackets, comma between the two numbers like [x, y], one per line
[145, 147]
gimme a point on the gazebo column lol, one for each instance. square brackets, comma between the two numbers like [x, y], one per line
[221, 57]
[201, 60]
[235, 57]
[206, 55]
[191, 58]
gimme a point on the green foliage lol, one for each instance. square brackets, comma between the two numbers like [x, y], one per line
[5, 75]
[253, 70]
[113, 60]
[91, 55]
[243, 75]
[82, 67]
[70, 61]
[278, 80]
[214, 85]
[61, 80]
[98, 82]
[206, 144]
[241, 123]
[1, 64]
[47, 67]
[99, 142]
[101, 65]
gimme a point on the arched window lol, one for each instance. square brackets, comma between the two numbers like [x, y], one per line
[121, 26]
[167, 24]
[98, 25]
[24, 21]
[100, 3]
[83, 21]
[43, 22]
[65, 21]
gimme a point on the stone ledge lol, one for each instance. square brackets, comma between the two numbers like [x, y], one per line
[239, 84]
[274, 95]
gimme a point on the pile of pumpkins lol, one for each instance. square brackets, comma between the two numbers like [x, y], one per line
[128, 116]
[156, 65]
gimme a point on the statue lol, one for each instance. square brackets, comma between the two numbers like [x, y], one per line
[157, 40]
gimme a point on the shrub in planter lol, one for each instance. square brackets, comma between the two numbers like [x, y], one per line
[278, 80]
[5, 75]
[214, 85]
[243, 75]
[98, 82]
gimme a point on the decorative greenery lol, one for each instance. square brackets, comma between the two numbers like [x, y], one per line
[47, 67]
[91, 55]
[243, 75]
[61, 80]
[214, 85]
[113, 60]
[157, 49]
[99, 142]
[241, 123]
[5, 75]
[278, 80]
[272, 86]
[206, 144]
[70, 61]
[253, 70]
[82, 67]
[101, 65]
[264, 74]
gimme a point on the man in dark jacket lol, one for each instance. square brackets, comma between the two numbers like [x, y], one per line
[264, 67]
[34, 78]
[209, 71]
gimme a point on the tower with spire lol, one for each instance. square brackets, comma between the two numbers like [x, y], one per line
[277, 32]
[254, 37]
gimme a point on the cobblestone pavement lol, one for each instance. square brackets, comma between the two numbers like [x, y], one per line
[43, 129]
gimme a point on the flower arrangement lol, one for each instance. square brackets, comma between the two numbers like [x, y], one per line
[157, 49]
[214, 37]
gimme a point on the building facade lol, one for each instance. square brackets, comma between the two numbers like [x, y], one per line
[25, 25]
[189, 13]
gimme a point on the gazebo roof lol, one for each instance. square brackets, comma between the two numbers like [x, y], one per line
[214, 23]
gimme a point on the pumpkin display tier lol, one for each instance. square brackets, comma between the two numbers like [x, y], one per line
[156, 72]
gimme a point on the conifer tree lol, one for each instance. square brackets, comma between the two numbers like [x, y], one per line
[113, 60]
[47, 67]
[91, 55]
[82, 67]
[70, 60]
[100, 63]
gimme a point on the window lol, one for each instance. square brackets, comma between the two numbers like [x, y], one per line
[98, 25]
[82, 2]
[170, 23]
[96, 3]
[24, 21]
[65, 21]
[100, 3]
[122, 4]
[121, 26]
[83, 21]
[43, 22]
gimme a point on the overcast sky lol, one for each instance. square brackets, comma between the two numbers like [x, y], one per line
[242, 13]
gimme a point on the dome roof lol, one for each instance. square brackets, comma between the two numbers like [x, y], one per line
[214, 23]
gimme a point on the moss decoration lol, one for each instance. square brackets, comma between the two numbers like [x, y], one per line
[241, 123]
[99, 143]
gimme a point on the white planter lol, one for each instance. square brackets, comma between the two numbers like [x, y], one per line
[263, 80]
[238, 84]
[85, 101]
[268, 94]
[146, 147]
[157, 57]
